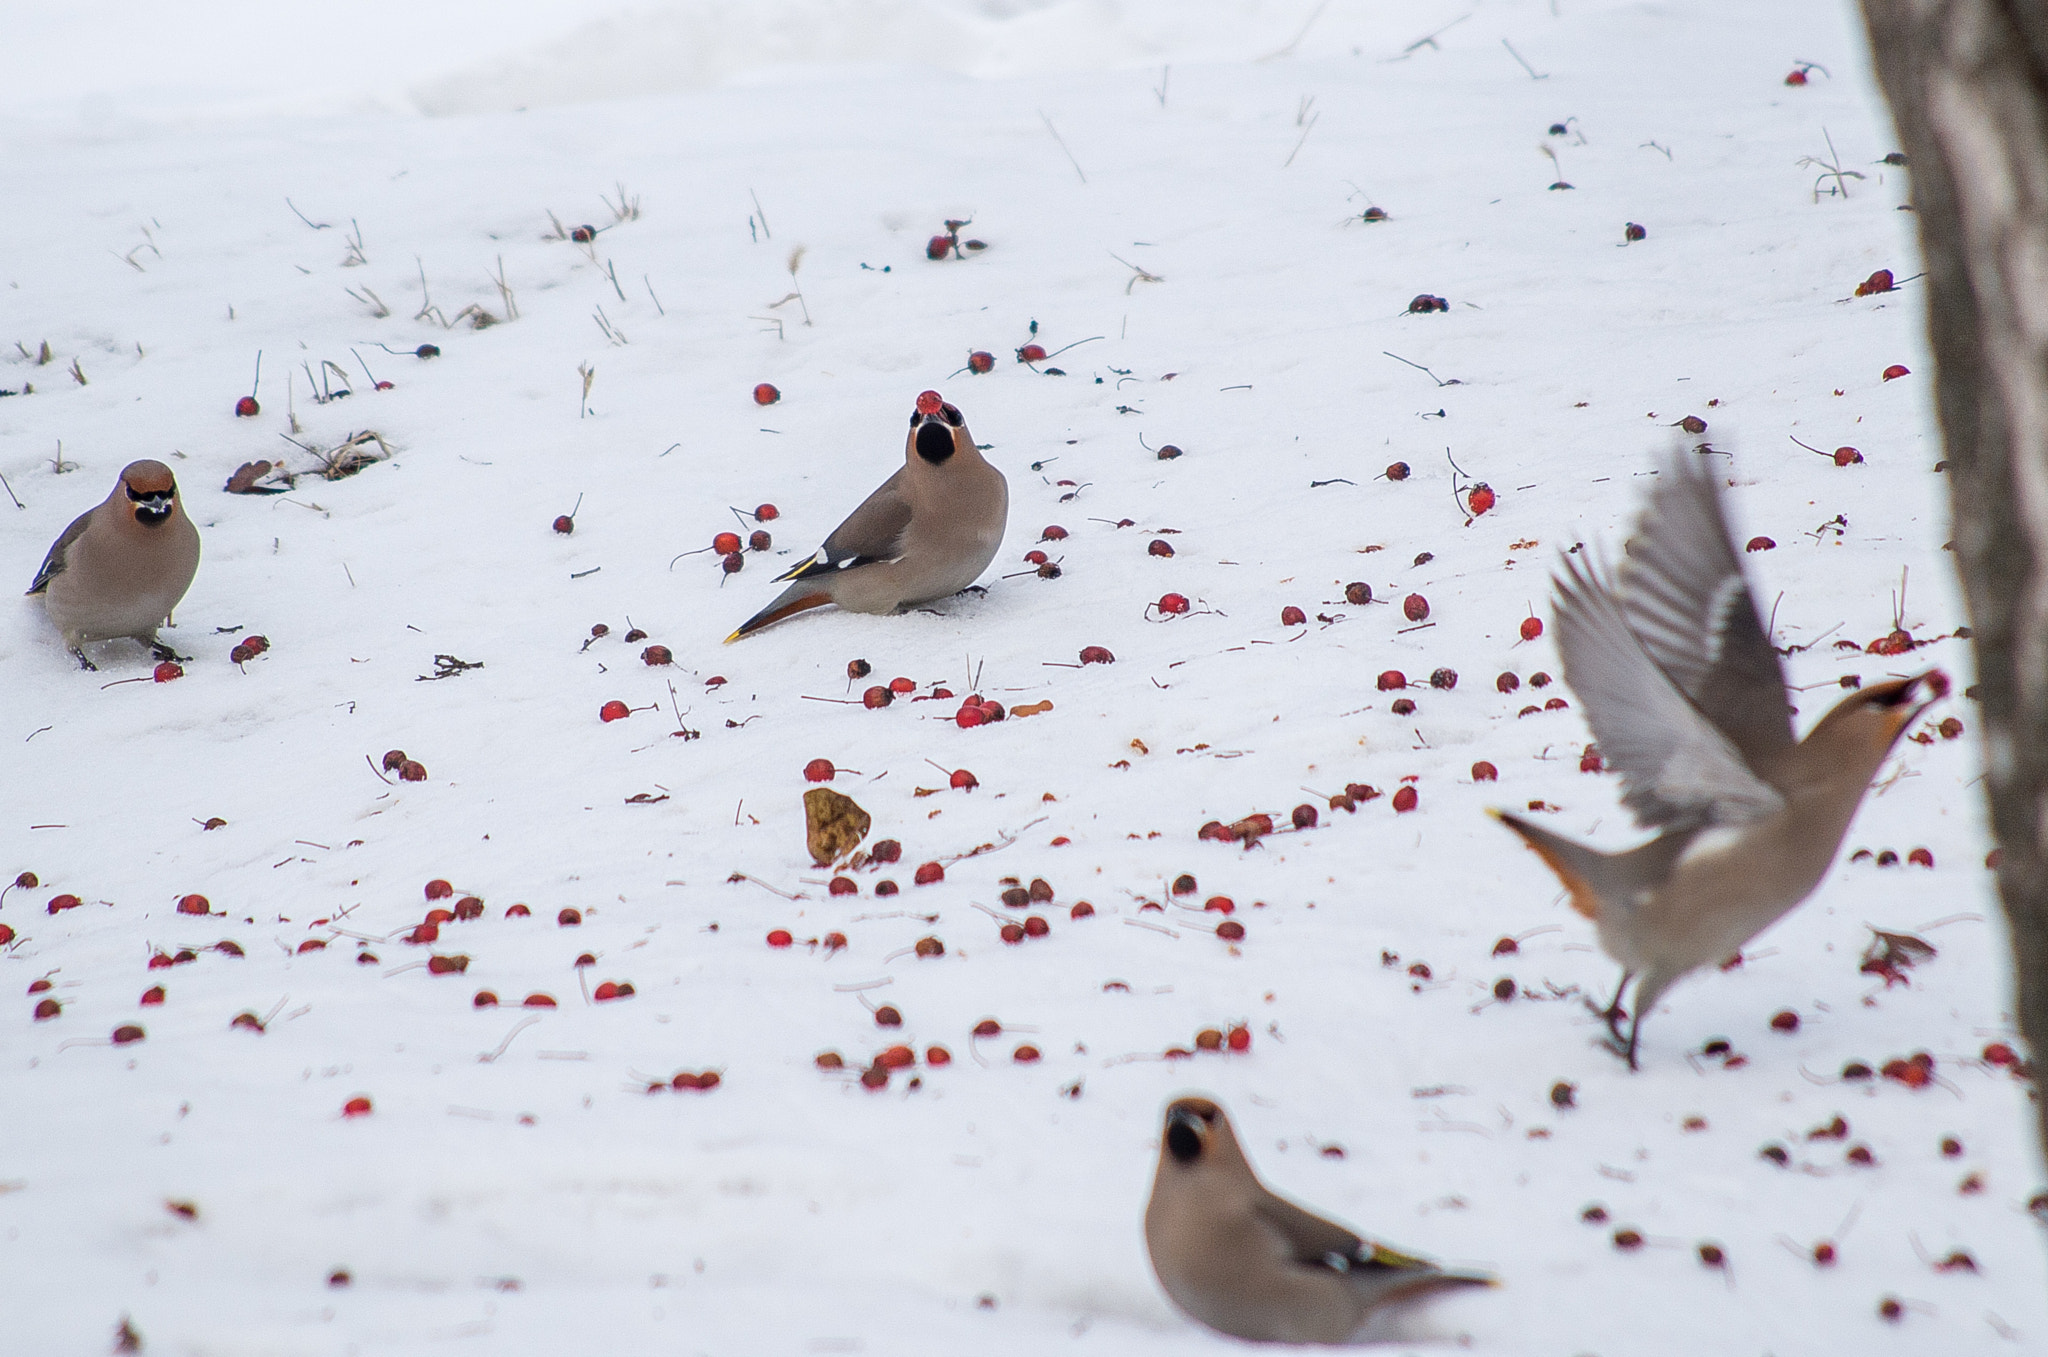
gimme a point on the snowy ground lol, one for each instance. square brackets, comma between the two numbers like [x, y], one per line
[515, 1188]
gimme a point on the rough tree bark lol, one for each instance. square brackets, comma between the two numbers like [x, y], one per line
[1968, 84]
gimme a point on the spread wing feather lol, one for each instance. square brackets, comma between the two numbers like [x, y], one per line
[1677, 767]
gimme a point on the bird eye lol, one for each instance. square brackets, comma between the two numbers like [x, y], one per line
[913, 419]
[953, 416]
[135, 494]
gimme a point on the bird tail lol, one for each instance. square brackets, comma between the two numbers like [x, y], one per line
[1599, 882]
[1580, 868]
[791, 601]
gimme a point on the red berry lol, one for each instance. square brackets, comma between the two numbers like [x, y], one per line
[819, 770]
[902, 685]
[569, 918]
[1159, 546]
[759, 540]
[1761, 544]
[1480, 499]
[764, 394]
[1096, 655]
[1391, 680]
[1173, 604]
[153, 995]
[1025, 1055]
[766, 513]
[980, 361]
[194, 904]
[1220, 904]
[484, 999]
[929, 872]
[1881, 281]
[438, 889]
[1035, 558]
[1796, 78]
[1897, 370]
[1305, 816]
[1415, 607]
[614, 710]
[1920, 857]
[1532, 627]
[733, 563]
[1591, 762]
[1632, 232]
[167, 671]
[969, 715]
[937, 1055]
[726, 543]
[1031, 353]
[247, 408]
[446, 965]
[1483, 771]
[1230, 930]
[964, 781]
[1405, 799]
[1035, 927]
[657, 655]
[1785, 1020]
[59, 903]
[780, 937]
[1081, 910]
[2001, 1055]
[564, 523]
[1053, 533]
[1401, 706]
[47, 1009]
[1291, 616]
[877, 696]
[1397, 471]
[1847, 456]
[938, 247]
[356, 1107]
[605, 990]
[412, 770]
[930, 402]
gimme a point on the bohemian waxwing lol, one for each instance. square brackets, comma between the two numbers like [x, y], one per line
[1254, 1265]
[1687, 701]
[120, 568]
[927, 532]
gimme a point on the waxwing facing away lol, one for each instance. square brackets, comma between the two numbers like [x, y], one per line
[1254, 1265]
[1687, 701]
[120, 568]
[927, 532]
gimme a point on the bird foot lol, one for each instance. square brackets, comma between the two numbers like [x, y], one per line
[83, 662]
[163, 652]
[1620, 1047]
[1612, 1015]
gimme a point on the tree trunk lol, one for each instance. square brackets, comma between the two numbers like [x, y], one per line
[1968, 84]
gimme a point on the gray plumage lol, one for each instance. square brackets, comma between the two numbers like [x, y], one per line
[1687, 700]
[1247, 1262]
[122, 567]
[926, 532]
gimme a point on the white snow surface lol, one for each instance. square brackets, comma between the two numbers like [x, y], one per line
[516, 1189]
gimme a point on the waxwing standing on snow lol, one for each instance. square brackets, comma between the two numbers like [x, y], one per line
[1254, 1265]
[927, 532]
[120, 568]
[1687, 700]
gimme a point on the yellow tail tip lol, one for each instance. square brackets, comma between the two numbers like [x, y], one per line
[730, 639]
[1495, 812]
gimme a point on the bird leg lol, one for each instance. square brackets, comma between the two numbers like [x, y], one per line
[162, 651]
[1614, 1012]
[83, 662]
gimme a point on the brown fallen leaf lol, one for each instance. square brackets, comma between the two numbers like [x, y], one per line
[243, 482]
[834, 825]
[1033, 709]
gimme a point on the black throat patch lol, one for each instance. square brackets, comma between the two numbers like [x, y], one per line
[1182, 1142]
[934, 442]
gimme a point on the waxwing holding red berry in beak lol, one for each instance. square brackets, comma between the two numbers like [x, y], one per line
[927, 532]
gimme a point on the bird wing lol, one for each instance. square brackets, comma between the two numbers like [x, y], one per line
[1676, 766]
[873, 532]
[53, 564]
[1305, 1236]
[1687, 600]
